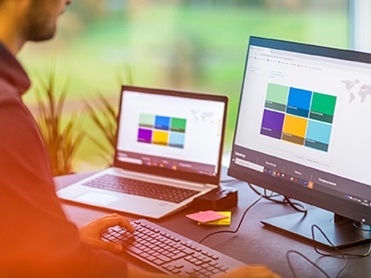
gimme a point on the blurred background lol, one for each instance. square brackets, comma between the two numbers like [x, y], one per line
[193, 45]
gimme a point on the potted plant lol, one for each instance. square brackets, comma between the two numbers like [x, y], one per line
[62, 136]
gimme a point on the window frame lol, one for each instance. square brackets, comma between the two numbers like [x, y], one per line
[360, 25]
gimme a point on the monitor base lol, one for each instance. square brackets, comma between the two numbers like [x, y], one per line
[342, 233]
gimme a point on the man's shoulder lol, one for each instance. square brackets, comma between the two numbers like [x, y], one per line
[8, 92]
[12, 72]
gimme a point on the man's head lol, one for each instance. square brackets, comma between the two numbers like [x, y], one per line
[29, 20]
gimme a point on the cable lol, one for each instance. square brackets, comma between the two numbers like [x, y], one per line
[239, 224]
[296, 205]
[332, 245]
[339, 253]
[286, 200]
[358, 226]
[354, 255]
[307, 259]
[315, 248]
[266, 196]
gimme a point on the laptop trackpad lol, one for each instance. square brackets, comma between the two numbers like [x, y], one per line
[97, 198]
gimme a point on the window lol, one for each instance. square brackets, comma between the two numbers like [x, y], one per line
[360, 22]
[194, 45]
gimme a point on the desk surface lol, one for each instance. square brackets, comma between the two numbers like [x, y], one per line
[252, 244]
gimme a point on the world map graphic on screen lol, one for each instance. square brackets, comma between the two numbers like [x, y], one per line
[357, 89]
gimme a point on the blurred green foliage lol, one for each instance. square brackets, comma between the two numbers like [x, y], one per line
[188, 45]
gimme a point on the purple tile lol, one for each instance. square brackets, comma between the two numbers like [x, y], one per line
[144, 135]
[272, 124]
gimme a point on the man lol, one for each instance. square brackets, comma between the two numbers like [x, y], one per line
[36, 238]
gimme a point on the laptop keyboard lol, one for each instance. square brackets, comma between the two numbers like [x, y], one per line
[141, 188]
[170, 252]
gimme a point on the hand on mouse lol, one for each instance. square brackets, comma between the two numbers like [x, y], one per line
[91, 232]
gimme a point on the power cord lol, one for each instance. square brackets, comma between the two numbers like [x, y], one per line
[295, 205]
[306, 258]
[271, 196]
[342, 254]
[239, 224]
[337, 254]
[286, 200]
[358, 226]
[315, 248]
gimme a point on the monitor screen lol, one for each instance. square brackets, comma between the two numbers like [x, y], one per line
[304, 125]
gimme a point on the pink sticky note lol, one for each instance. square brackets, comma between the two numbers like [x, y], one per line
[206, 216]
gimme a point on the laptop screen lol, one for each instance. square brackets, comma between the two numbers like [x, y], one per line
[171, 133]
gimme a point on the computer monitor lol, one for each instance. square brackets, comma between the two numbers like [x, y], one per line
[304, 131]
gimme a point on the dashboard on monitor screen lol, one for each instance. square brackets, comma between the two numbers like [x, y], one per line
[304, 125]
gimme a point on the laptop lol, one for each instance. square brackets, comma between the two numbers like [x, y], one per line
[170, 141]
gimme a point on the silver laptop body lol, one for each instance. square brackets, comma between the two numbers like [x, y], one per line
[165, 137]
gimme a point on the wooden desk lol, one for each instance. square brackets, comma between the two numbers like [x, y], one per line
[252, 244]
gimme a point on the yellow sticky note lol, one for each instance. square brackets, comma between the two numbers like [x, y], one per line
[222, 222]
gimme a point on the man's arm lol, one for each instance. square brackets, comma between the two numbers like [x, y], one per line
[36, 238]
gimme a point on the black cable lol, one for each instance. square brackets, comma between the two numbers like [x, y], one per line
[286, 200]
[315, 248]
[239, 224]
[354, 255]
[266, 196]
[339, 253]
[296, 205]
[358, 226]
[307, 259]
[332, 245]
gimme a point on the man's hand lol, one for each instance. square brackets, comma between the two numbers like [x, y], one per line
[91, 232]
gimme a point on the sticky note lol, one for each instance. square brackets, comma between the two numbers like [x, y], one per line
[206, 216]
[221, 222]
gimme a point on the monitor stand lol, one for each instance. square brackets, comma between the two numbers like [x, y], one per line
[341, 231]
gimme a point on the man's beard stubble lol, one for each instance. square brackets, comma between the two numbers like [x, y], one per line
[38, 26]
